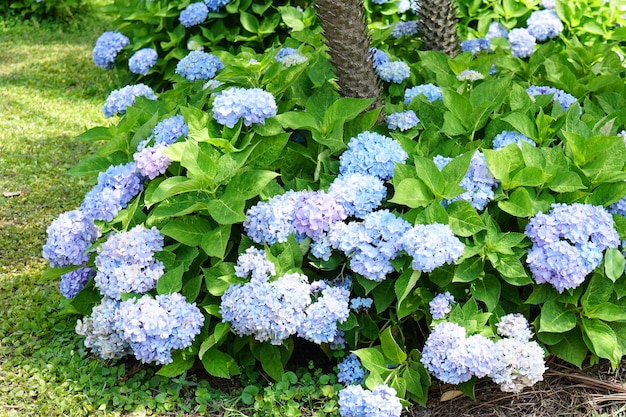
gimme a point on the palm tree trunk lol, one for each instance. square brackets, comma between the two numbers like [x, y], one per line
[438, 21]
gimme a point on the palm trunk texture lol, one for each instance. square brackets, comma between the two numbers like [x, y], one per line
[438, 21]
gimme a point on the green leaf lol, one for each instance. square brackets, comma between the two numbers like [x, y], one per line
[298, 120]
[220, 331]
[373, 360]
[601, 340]
[522, 123]
[216, 363]
[503, 163]
[512, 270]
[606, 312]
[530, 177]
[463, 218]
[412, 193]
[487, 290]
[599, 290]
[571, 348]
[171, 187]
[613, 264]
[228, 209]
[249, 22]
[180, 363]
[215, 242]
[390, 347]
[556, 318]
[269, 356]
[171, 281]
[248, 184]
[565, 182]
[469, 269]
[189, 230]
[428, 172]
[455, 170]
[344, 109]
[405, 284]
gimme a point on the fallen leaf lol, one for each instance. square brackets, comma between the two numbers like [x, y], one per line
[450, 395]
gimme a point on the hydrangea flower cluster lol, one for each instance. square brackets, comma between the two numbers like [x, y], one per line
[370, 244]
[355, 401]
[522, 42]
[314, 213]
[151, 161]
[359, 194]
[361, 303]
[470, 75]
[126, 263]
[215, 5]
[166, 132]
[350, 371]
[69, 238]
[373, 154]
[74, 281]
[507, 137]
[544, 24]
[441, 305]
[393, 71]
[560, 96]
[379, 57]
[431, 246]
[478, 182]
[199, 65]
[430, 91]
[119, 100]
[253, 105]
[253, 262]
[402, 120]
[115, 188]
[618, 208]
[154, 327]
[271, 221]
[107, 47]
[290, 57]
[515, 326]
[322, 316]
[475, 45]
[568, 243]
[142, 60]
[194, 14]
[496, 30]
[101, 333]
[405, 28]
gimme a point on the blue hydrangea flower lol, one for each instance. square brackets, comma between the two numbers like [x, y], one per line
[359, 194]
[441, 305]
[544, 24]
[151, 161]
[548, 4]
[69, 237]
[115, 188]
[166, 132]
[199, 65]
[101, 334]
[478, 182]
[568, 243]
[475, 45]
[194, 14]
[373, 154]
[370, 244]
[108, 45]
[405, 28]
[254, 262]
[290, 57]
[496, 30]
[215, 5]
[402, 120]
[515, 326]
[431, 246]
[618, 208]
[379, 57]
[73, 282]
[154, 327]
[470, 75]
[321, 316]
[253, 105]
[522, 43]
[272, 221]
[314, 213]
[361, 303]
[270, 311]
[480, 355]
[119, 100]
[350, 371]
[393, 71]
[355, 401]
[430, 91]
[142, 60]
[560, 96]
[520, 364]
[507, 137]
[126, 263]
[623, 135]
[444, 354]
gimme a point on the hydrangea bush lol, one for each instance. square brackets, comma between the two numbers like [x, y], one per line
[480, 228]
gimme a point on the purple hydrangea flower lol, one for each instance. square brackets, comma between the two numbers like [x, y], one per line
[568, 243]
[73, 282]
[520, 364]
[199, 65]
[142, 60]
[154, 327]
[194, 14]
[314, 213]
[393, 71]
[272, 221]
[116, 187]
[254, 262]
[355, 401]
[126, 263]
[253, 105]
[270, 311]
[359, 194]
[560, 96]
[151, 161]
[430, 91]
[373, 154]
[515, 326]
[402, 120]
[321, 316]
[108, 45]
[507, 137]
[350, 371]
[444, 354]
[544, 24]
[431, 246]
[290, 57]
[119, 100]
[441, 305]
[522, 43]
[406, 28]
[475, 45]
[69, 238]
[101, 334]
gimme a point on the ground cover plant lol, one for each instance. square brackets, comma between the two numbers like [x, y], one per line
[194, 194]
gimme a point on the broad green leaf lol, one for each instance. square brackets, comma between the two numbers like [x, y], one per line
[428, 172]
[469, 270]
[171, 281]
[601, 340]
[487, 290]
[503, 163]
[227, 210]
[170, 187]
[512, 270]
[599, 290]
[189, 230]
[413, 193]
[373, 360]
[565, 182]
[216, 363]
[556, 318]
[297, 120]
[248, 184]
[390, 347]
[613, 264]
[522, 123]
[219, 333]
[606, 312]
[270, 358]
[181, 362]
[405, 283]
[215, 241]
[530, 177]
[463, 218]
[455, 170]
[249, 22]
[344, 109]
[571, 348]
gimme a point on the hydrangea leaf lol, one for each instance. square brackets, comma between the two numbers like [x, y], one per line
[391, 349]
[189, 230]
[556, 318]
[613, 264]
[601, 340]
[180, 363]
[487, 289]
[215, 241]
[216, 363]
[463, 219]
[227, 210]
[171, 281]
[412, 192]
[571, 348]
